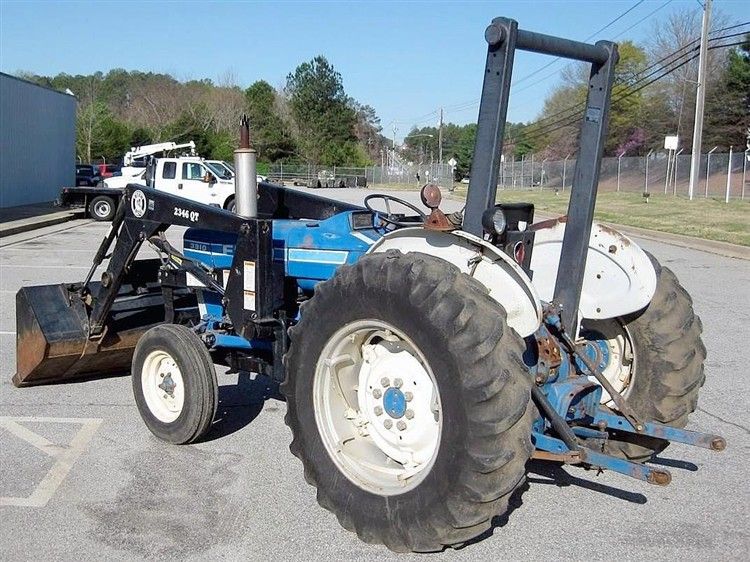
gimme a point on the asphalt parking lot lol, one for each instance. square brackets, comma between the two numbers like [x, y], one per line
[81, 477]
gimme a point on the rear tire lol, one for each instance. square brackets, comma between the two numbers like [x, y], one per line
[231, 205]
[102, 208]
[174, 383]
[459, 336]
[668, 374]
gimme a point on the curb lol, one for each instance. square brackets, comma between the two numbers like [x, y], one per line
[32, 223]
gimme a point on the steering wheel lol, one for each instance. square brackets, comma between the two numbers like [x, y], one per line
[390, 217]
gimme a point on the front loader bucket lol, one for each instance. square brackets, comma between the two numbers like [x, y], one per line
[52, 343]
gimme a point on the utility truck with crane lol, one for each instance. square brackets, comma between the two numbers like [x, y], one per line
[424, 358]
[205, 181]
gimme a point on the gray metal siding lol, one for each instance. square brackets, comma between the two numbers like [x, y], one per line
[37, 142]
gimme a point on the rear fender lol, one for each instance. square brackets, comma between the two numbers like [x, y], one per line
[506, 282]
[619, 278]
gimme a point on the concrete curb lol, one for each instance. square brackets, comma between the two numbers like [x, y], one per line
[32, 223]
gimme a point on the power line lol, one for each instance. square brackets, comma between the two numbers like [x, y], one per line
[572, 119]
[463, 106]
[553, 61]
[675, 55]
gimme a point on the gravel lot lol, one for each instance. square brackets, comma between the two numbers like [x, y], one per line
[94, 483]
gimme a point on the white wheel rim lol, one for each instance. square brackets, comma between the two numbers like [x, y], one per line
[101, 209]
[163, 386]
[377, 407]
[620, 369]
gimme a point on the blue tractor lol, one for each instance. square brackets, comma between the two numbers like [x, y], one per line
[424, 357]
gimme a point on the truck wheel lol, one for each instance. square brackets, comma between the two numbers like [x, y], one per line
[409, 405]
[102, 208]
[231, 206]
[174, 383]
[660, 370]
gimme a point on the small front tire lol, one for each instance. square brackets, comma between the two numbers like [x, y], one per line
[174, 383]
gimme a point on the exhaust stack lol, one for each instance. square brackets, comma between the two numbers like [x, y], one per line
[245, 177]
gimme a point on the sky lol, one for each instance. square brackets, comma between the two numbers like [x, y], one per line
[406, 59]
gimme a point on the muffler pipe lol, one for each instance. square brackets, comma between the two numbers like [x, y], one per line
[245, 177]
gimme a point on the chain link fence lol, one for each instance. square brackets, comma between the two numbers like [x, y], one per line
[656, 173]
[394, 174]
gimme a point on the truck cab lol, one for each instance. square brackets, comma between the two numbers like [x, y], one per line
[192, 178]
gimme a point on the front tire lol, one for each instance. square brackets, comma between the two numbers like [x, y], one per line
[414, 327]
[174, 383]
[102, 208]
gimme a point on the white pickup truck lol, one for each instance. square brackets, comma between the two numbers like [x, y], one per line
[190, 177]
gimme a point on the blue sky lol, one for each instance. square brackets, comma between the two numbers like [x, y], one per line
[406, 59]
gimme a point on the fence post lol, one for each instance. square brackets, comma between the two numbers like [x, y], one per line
[648, 156]
[674, 172]
[729, 176]
[523, 156]
[668, 172]
[531, 182]
[619, 162]
[744, 171]
[565, 169]
[708, 167]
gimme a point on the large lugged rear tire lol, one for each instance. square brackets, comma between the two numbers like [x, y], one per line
[668, 374]
[174, 383]
[443, 348]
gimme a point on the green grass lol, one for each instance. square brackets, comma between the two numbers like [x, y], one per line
[711, 219]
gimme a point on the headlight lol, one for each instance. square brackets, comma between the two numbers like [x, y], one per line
[493, 221]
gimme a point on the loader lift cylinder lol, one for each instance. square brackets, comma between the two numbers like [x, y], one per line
[504, 37]
[245, 177]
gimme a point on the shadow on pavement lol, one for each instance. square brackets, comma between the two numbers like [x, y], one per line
[241, 403]
[552, 473]
[675, 463]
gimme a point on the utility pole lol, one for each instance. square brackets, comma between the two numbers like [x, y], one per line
[393, 146]
[440, 138]
[695, 157]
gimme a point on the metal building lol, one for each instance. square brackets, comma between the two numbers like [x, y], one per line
[37, 142]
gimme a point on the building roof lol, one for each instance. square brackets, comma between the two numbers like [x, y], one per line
[4, 75]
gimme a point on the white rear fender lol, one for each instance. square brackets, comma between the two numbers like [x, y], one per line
[619, 278]
[506, 282]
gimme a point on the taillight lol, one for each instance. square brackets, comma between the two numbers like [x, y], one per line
[519, 252]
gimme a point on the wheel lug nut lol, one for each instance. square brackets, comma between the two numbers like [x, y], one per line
[385, 382]
[388, 424]
[398, 383]
[401, 425]
[377, 393]
[409, 414]
[408, 395]
[378, 411]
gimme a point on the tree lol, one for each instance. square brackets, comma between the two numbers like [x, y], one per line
[321, 111]
[271, 135]
[728, 118]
